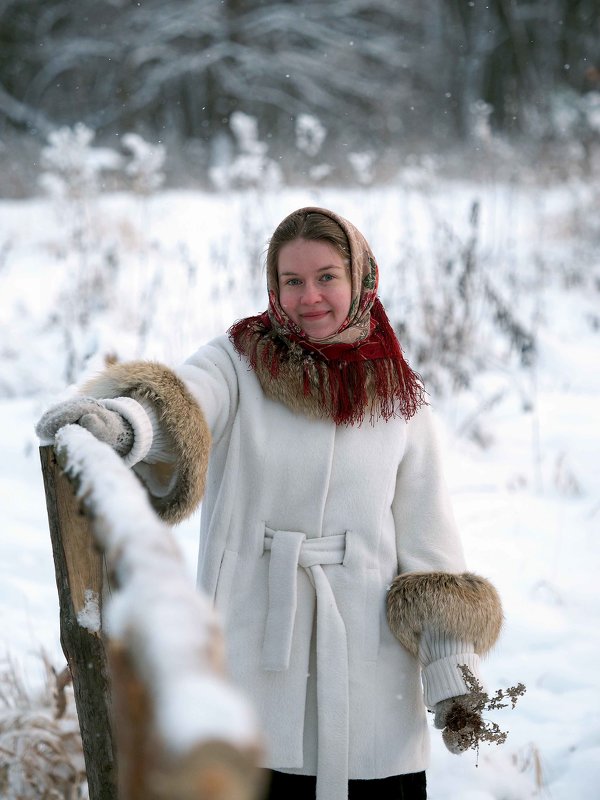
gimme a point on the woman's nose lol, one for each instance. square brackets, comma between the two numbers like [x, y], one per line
[311, 294]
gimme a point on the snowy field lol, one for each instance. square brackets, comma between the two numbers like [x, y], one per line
[156, 276]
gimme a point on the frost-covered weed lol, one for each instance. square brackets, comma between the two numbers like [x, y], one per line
[75, 175]
[41, 756]
[451, 313]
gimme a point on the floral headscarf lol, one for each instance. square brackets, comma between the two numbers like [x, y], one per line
[364, 277]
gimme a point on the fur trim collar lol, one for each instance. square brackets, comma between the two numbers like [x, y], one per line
[344, 383]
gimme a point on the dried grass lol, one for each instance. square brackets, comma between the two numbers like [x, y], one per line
[41, 756]
[466, 727]
[530, 760]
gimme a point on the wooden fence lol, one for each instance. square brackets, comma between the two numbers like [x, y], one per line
[144, 648]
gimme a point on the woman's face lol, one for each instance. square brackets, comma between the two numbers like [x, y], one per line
[314, 286]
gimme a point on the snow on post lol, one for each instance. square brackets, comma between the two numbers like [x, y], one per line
[182, 731]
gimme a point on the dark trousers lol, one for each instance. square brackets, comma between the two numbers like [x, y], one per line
[303, 787]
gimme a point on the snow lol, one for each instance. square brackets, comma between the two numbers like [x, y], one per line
[173, 269]
[89, 616]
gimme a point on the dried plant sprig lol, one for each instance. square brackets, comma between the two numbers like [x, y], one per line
[490, 703]
[465, 726]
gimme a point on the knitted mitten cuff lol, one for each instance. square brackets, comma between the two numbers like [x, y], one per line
[443, 679]
[162, 448]
[133, 413]
[441, 655]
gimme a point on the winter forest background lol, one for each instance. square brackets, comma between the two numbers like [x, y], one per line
[147, 151]
[384, 79]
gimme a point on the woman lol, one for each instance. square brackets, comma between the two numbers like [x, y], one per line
[323, 488]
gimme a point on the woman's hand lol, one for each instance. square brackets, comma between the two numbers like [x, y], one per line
[459, 719]
[107, 426]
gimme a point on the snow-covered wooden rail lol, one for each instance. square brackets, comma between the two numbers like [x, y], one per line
[145, 650]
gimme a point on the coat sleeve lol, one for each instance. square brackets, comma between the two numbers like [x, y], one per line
[426, 533]
[211, 378]
[442, 614]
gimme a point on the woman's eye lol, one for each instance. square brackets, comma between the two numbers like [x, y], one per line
[293, 282]
[327, 277]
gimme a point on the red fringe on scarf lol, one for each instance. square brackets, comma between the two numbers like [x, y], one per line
[347, 380]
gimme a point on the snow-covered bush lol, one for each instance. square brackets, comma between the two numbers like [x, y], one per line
[573, 114]
[73, 175]
[363, 164]
[419, 173]
[568, 128]
[93, 246]
[481, 112]
[252, 167]
[145, 167]
[72, 166]
[310, 134]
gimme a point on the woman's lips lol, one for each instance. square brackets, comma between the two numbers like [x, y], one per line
[315, 315]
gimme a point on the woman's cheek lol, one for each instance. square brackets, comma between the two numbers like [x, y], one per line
[286, 302]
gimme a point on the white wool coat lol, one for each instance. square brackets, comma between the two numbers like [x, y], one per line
[304, 526]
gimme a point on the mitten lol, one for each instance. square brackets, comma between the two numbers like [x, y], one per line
[107, 426]
[459, 719]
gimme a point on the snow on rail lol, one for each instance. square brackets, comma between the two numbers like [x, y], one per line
[170, 630]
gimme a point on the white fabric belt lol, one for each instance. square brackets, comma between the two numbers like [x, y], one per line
[290, 550]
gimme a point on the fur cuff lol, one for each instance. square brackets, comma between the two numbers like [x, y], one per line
[464, 606]
[181, 416]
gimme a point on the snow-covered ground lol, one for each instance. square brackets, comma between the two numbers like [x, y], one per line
[156, 276]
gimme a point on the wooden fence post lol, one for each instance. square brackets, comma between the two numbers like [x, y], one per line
[78, 568]
[151, 695]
